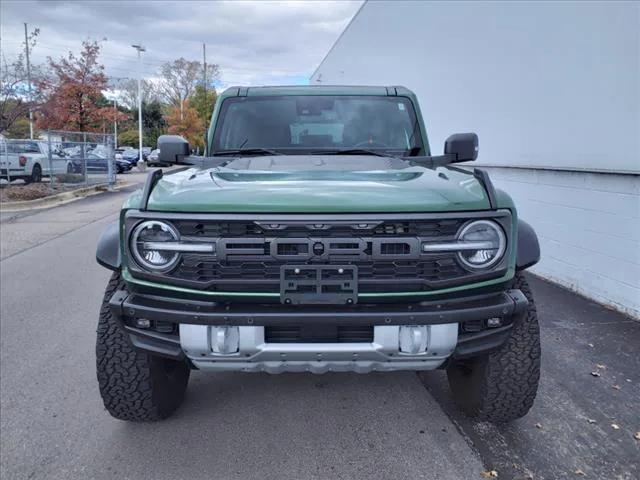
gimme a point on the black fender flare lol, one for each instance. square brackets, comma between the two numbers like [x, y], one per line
[108, 251]
[528, 248]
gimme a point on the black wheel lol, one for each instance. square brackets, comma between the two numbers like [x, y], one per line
[134, 385]
[36, 175]
[501, 386]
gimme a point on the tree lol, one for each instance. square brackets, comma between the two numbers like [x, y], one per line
[72, 93]
[127, 90]
[14, 91]
[130, 138]
[180, 78]
[19, 129]
[185, 121]
[153, 122]
[204, 101]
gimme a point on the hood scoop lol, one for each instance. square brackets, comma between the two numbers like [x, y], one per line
[310, 176]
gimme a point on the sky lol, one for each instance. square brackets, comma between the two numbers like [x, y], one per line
[253, 42]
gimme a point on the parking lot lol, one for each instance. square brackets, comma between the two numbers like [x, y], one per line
[234, 425]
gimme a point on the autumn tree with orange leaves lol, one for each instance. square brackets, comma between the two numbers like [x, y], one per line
[187, 123]
[72, 93]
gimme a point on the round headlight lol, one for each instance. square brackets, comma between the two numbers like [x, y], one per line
[154, 259]
[483, 243]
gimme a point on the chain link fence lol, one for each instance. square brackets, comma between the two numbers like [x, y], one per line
[61, 159]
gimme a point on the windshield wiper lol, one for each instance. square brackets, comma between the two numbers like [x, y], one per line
[246, 151]
[353, 151]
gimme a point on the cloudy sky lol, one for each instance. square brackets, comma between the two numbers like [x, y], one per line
[254, 43]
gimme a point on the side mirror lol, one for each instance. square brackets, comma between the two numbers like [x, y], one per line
[173, 148]
[463, 145]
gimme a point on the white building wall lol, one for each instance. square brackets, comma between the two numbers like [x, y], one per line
[553, 91]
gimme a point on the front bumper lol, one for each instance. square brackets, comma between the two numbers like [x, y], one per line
[167, 309]
[199, 322]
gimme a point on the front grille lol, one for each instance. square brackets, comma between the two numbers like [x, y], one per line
[319, 334]
[387, 252]
[265, 276]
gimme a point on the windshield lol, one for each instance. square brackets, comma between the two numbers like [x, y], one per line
[313, 124]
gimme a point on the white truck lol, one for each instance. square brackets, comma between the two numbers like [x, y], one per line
[29, 160]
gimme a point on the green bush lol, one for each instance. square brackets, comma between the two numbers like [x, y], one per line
[130, 138]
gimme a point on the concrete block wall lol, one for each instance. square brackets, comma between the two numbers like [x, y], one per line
[588, 224]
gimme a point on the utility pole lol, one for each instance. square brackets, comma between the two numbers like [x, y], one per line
[140, 49]
[26, 45]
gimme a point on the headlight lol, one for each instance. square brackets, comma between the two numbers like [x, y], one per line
[481, 244]
[145, 248]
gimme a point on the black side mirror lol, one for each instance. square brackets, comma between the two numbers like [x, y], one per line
[463, 145]
[173, 148]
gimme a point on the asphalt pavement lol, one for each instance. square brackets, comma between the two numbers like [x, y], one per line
[298, 426]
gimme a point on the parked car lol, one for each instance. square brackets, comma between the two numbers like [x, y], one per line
[154, 159]
[29, 160]
[319, 235]
[98, 163]
[95, 160]
[131, 155]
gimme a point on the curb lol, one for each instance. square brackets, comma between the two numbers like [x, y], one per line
[59, 198]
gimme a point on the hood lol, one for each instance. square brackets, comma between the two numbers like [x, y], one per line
[318, 184]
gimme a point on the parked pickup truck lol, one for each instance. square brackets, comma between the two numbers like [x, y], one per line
[319, 234]
[29, 160]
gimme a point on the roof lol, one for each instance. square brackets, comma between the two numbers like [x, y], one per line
[315, 90]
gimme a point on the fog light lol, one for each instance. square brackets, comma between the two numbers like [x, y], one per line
[224, 339]
[494, 322]
[143, 323]
[414, 338]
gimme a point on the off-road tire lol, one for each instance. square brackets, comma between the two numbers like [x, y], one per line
[501, 386]
[134, 385]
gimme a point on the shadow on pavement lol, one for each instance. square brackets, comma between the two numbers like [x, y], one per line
[570, 426]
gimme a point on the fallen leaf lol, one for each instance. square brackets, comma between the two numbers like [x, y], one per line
[590, 344]
[579, 473]
[637, 436]
[595, 374]
[489, 474]
[616, 387]
[628, 380]
[600, 366]
[538, 425]
[615, 426]
[590, 420]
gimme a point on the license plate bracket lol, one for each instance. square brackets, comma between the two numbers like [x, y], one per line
[319, 284]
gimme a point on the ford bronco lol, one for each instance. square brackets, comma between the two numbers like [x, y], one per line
[318, 234]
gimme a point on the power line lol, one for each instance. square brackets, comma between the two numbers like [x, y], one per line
[158, 61]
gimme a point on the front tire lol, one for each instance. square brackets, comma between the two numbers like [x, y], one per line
[501, 386]
[134, 385]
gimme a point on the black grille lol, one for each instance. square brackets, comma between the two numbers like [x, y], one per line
[265, 276]
[319, 334]
[250, 253]
[440, 228]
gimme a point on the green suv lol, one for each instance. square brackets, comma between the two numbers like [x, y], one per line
[318, 234]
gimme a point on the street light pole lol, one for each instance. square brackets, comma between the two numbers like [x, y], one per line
[140, 49]
[26, 46]
[115, 123]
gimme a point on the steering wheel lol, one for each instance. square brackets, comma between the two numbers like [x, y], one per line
[368, 144]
